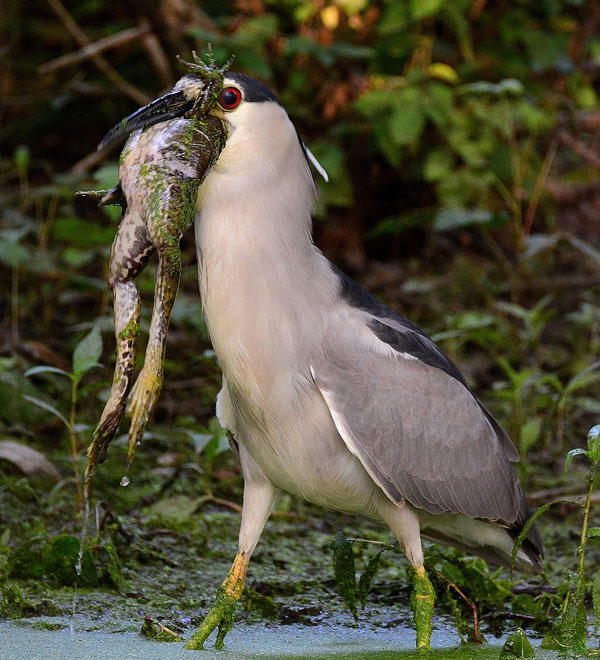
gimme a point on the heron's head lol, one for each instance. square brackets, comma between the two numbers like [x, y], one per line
[261, 137]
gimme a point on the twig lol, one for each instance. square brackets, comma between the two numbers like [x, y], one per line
[541, 496]
[89, 161]
[476, 636]
[157, 55]
[87, 52]
[226, 503]
[82, 39]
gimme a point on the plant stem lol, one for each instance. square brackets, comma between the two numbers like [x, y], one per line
[73, 438]
[584, 528]
[14, 307]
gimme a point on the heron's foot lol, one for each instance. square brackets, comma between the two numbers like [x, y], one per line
[422, 600]
[144, 394]
[220, 615]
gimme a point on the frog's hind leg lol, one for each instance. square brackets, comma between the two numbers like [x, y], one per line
[147, 387]
[131, 251]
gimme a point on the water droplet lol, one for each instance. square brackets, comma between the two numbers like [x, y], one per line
[125, 481]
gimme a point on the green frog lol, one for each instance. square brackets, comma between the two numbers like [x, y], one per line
[162, 165]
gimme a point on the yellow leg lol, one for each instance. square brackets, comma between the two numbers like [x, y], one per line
[222, 611]
[422, 600]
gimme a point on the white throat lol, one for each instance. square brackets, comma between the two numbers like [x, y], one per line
[262, 280]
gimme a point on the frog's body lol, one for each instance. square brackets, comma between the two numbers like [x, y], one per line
[161, 169]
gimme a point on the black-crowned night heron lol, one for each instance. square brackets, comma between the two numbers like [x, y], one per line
[327, 393]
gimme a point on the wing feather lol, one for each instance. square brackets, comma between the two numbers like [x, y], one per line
[417, 429]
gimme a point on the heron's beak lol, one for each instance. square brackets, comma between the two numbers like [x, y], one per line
[171, 105]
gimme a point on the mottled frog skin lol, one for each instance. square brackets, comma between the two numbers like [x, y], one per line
[161, 170]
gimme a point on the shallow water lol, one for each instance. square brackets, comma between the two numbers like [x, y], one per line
[24, 642]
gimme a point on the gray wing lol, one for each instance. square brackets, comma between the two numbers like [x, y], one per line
[416, 428]
[404, 336]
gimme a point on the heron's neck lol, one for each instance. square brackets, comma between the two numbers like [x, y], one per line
[265, 287]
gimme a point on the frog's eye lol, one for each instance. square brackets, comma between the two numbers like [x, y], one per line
[230, 98]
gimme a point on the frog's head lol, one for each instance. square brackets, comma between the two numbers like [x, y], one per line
[197, 92]
[254, 117]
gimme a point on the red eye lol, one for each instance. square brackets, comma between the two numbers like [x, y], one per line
[230, 98]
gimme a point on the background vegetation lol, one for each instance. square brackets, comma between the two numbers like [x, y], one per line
[461, 138]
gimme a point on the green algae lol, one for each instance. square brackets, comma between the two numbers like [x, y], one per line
[54, 560]
[220, 615]
[60, 556]
[261, 604]
[48, 625]
[422, 599]
[130, 332]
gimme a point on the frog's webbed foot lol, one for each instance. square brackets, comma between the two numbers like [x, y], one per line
[127, 319]
[142, 399]
[112, 197]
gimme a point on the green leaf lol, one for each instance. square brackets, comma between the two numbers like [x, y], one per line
[524, 533]
[448, 219]
[530, 433]
[583, 378]
[22, 158]
[83, 234]
[345, 571]
[87, 352]
[46, 406]
[43, 369]
[596, 599]
[517, 646]
[510, 86]
[438, 164]
[395, 19]
[406, 124]
[421, 8]
[593, 533]
[13, 254]
[571, 455]
[593, 441]
[366, 579]
[536, 243]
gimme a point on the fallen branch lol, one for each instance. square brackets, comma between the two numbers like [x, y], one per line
[157, 55]
[476, 638]
[88, 52]
[89, 161]
[112, 74]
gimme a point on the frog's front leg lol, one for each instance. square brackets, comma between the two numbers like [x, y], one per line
[166, 228]
[131, 251]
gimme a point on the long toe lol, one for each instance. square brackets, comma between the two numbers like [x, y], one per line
[219, 615]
